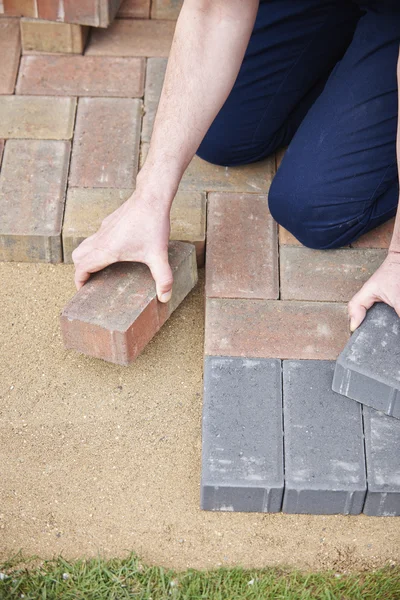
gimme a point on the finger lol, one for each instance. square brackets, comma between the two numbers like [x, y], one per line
[162, 275]
[93, 261]
[359, 305]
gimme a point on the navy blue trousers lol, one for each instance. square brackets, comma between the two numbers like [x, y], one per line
[320, 77]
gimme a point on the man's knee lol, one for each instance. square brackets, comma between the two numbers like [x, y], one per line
[216, 151]
[295, 210]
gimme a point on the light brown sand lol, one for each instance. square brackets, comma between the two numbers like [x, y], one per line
[98, 458]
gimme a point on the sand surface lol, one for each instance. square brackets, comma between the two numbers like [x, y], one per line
[98, 458]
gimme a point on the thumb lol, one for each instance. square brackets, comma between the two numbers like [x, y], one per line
[358, 307]
[162, 275]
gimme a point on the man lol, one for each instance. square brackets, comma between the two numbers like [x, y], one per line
[246, 77]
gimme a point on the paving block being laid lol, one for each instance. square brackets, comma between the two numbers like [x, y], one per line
[81, 76]
[368, 369]
[48, 36]
[242, 436]
[243, 265]
[324, 446]
[105, 151]
[382, 446]
[116, 313]
[32, 194]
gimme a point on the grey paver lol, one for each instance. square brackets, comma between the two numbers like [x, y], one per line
[324, 448]
[382, 445]
[242, 454]
[368, 369]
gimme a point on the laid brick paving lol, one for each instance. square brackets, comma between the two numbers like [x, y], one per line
[10, 50]
[81, 76]
[272, 307]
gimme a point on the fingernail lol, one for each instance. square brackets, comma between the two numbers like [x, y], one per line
[166, 296]
[352, 325]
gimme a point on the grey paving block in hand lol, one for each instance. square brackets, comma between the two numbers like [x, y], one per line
[368, 369]
[382, 444]
[324, 446]
[242, 453]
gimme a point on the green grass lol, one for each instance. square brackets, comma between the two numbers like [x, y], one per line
[119, 579]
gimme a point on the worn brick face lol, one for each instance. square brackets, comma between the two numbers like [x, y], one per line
[106, 143]
[132, 38]
[117, 313]
[242, 247]
[155, 74]
[275, 329]
[46, 36]
[32, 193]
[330, 275]
[10, 49]
[81, 76]
[134, 9]
[37, 117]
[166, 9]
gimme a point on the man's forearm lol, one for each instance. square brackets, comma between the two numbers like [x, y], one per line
[207, 51]
[395, 243]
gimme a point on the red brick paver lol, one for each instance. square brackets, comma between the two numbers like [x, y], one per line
[166, 9]
[37, 117]
[97, 13]
[134, 9]
[117, 313]
[81, 76]
[242, 247]
[20, 8]
[10, 50]
[328, 275]
[275, 329]
[106, 143]
[132, 38]
[32, 192]
[46, 36]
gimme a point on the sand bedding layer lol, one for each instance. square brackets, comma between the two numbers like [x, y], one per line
[98, 458]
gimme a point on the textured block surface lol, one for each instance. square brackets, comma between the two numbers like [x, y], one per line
[97, 13]
[242, 247]
[324, 447]
[32, 193]
[275, 329]
[116, 313]
[48, 36]
[37, 117]
[332, 275]
[105, 152]
[134, 9]
[382, 445]
[81, 76]
[368, 369]
[154, 81]
[242, 449]
[20, 8]
[132, 38]
[10, 49]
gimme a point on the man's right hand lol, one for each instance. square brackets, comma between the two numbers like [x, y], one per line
[137, 231]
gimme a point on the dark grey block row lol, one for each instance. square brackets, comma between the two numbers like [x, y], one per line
[368, 369]
[302, 451]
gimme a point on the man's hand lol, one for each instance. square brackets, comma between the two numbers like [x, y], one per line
[383, 286]
[137, 231]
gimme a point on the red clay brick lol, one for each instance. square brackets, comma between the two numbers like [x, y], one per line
[106, 143]
[326, 275]
[40, 37]
[81, 76]
[32, 194]
[117, 313]
[132, 38]
[377, 238]
[97, 13]
[20, 8]
[10, 50]
[275, 329]
[155, 73]
[166, 9]
[242, 247]
[134, 9]
[37, 117]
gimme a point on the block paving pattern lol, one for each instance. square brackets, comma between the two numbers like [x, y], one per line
[275, 435]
